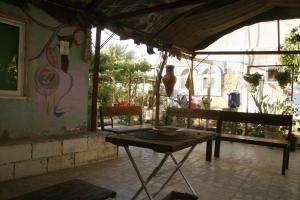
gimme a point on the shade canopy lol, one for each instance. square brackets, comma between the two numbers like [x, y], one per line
[174, 25]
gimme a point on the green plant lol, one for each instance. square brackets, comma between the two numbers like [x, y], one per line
[105, 93]
[256, 130]
[283, 78]
[291, 62]
[253, 80]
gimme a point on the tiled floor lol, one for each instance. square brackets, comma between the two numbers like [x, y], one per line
[243, 172]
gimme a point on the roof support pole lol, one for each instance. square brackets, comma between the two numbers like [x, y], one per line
[95, 81]
[278, 35]
[190, 92]
[292, 82]
[157, 86]
[293, 52]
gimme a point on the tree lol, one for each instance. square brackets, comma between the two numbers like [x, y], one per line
[292, 42]
[118, 67]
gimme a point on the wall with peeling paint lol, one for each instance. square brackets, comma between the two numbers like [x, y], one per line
[55, 100]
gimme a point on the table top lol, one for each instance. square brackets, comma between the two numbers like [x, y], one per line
[167, 143]
[128, 129]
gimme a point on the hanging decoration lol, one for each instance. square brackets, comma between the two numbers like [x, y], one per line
[189, 84]
[169, 80]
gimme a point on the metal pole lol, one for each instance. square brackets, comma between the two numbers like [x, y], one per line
[154, 172]
[157, 86]
[278, 35]
[175, 170]
[294, 52]
[185, 179]
[95, 81]
[138, 172]
[293, 73]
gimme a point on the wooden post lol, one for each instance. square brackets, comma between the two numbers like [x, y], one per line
[157, 86]
[190, 94]
[95, 81]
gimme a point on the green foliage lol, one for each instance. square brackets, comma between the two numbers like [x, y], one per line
[283, 78]
[105, 93]
[256, 130]
[253, 80]
[118, 67]
[292, 42]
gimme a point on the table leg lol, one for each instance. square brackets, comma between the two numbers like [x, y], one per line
[185, 179]
[175, 170]
[154, 172]
[208, 150]
[138, 172]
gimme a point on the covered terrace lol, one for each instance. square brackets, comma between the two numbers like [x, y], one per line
[54, 143]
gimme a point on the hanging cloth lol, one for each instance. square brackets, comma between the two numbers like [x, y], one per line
[189, 84]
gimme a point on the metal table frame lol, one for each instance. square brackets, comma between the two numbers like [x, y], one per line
[156, 170]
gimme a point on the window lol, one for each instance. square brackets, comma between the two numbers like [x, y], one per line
[12, 37]
[271, 74]
[210, 80]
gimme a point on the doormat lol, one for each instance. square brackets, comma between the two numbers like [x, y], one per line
[70, 190]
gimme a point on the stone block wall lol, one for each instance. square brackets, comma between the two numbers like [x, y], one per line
[28, 158]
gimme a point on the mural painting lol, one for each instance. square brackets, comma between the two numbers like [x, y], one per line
[56, 84]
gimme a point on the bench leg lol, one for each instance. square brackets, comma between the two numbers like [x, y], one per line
[217, 147]
[287, 157]
[284, 161]
[208, 150]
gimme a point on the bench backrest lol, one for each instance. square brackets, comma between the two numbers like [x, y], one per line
[109, 111]
[229, 116]
[191, 113]
[258, 118]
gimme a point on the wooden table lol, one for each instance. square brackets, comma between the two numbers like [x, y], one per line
[128, 129]
[184, 138]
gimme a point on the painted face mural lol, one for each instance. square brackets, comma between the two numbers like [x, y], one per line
[54, 86]
[46, 79]
[60, 89]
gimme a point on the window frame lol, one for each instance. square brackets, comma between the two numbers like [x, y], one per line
[216, 76]
[13, 21]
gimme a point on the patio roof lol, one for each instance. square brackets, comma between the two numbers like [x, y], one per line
[174, 25]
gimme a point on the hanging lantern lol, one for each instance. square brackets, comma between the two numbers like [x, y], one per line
[169, 80]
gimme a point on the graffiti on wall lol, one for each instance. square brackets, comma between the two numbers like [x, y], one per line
[59, 93]
[59, 90]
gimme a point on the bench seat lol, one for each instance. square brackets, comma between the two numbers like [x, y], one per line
[254, 140]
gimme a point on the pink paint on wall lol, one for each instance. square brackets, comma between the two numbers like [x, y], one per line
[59, 93]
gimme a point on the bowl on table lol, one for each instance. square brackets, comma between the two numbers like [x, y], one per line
[165, 131]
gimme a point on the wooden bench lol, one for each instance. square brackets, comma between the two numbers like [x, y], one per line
[255, 118]
[122, 111]
[192, 114]
[72, 189]
[240, 117]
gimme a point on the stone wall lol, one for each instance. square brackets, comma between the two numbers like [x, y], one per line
[28, 157]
